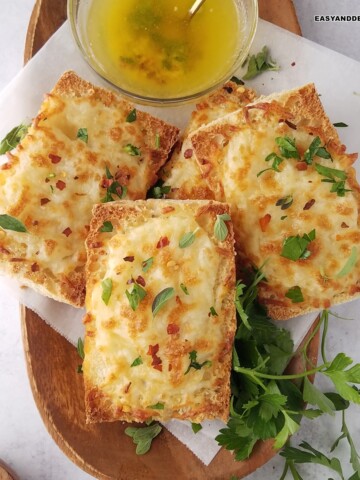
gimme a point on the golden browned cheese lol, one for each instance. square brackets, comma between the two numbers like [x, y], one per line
[181, 172]
[53, 178]
[271, 207]
[173, 362]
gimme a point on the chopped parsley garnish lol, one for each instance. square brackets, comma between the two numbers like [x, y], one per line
[131, 116]
[220, 227]
[213, 312]
[161, 298]
[82, 134]
[8, 222]
[285, 202]
[196, 427]
[157, 406]
[143, 436]
[157, 141]
[350, 263]
[295, 294]
[113, 188]
[187, 239]
[287, 147]
[334, 176]
[195, 364]
[138, 361]
[340, 124]
[80, 348]
[136, 295]
[13, 138]
[106, 227]
[184, 289]
[316, 150]
[146, 264]
[106, 286]
[236, 80]
[276, 161]
[261, 62]
[295, 248]
[132, 150]
[159, 190]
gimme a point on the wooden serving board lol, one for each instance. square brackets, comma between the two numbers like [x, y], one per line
[103, 450]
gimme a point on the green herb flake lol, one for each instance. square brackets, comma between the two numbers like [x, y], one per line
[213, 312]
[350, 263]
[157, 406]
[138, 361]
[131, 116]
[236, 80]
[146, 264]
[315, 149]
[132, 150]
[161, 298]
[283, 217]
[143, 436]
[159, 190]
[287, 147]
[136, 295]
[106, 227]
[11, 223]
[196, 427]
[187, 239]
[220, 227]
[334, 176]
[295, 248]
[184, 289]
[80, 348]
[260, 62]
[195, 364]
[114, 188]
[13, 138]
[285, 202]
[295, 294]
[340, 124]
[157, 141]
[106, 286]
[276, 161]
[82, 134]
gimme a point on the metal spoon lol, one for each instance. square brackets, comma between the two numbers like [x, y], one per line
[195, 7]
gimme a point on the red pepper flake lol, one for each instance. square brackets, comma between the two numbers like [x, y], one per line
[87, 228]
[301, 166]
[130, 258]
[6, 166]
[35, 267]
[291, 125]
[309, 204]
[264, 222]
[44, 201]
[67, 231]
[172, 329]
[170, 367]
[35, 222]
[60, 185]
[130, 281]
[96, 245]
[188, 153]
[163, 242]
[4, 250]
[141, 281]
[156, 360]
[54, 158]
[127, 388]
[158, 367]
[153, 349]
[344, 225]
[106, 182]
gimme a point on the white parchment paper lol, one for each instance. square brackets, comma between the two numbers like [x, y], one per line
[336, 77]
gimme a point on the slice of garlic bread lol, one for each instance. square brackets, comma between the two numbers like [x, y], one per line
[86, 145]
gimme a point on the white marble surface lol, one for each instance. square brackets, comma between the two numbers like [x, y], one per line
[24, 443]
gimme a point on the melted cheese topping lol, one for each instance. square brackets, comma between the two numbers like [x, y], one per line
[119, 335]
[236, 149]
[53, 179]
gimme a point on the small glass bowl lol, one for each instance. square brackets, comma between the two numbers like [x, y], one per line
[77, 14]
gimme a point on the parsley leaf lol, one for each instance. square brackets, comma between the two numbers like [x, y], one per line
[276, 161]
[138, 361]
[132, 150]
[287, 147]
[341, 377]
[106, 227]
[196, 427]
[13, 138]
[106, 286]
[143, 436]
[146, 264]
[131, 116]
[195, 364]
[80, 348]
[136, 295]
[350, 263]
[114, 188]
[159, 190]
[295, 294]
[161, 298]
[260, 63]
[82, 134]
[157, 140]
[314, 396]
[334, 176]
[184, 289]
[295, 248]
[340, 124]
[316, 150]
[11, 223]
[220, 227]
[285, 202]
[187, 239]
[157, 406]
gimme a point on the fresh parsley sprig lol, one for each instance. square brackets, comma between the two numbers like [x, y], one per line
[259, 63]
[13, 138]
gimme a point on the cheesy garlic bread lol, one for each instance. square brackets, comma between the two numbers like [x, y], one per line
[160, 308]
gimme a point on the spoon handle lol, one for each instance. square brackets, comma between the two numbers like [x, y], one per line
[195, 7]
